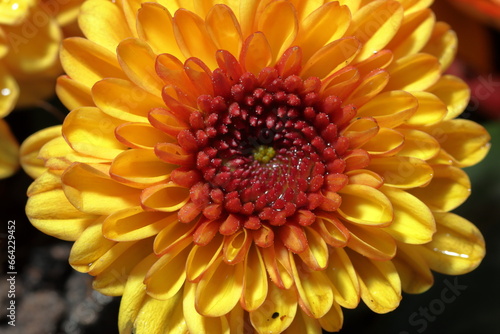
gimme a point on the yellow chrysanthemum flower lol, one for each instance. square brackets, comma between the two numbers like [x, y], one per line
[240, 166]
[30, 34]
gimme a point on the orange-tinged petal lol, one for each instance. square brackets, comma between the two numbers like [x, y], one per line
[196, 322]
[30, 149]
[344, 280]
[412, 36]
[413, 222]
[390, 109]
[316, 255]
[332, 321]
[456, 248]
[277, 264]
[236, 246]
[255, 282]
[366, 177]
[278, 301]
[302, 323]
[256, 53]
[173, 236]
[141, 135]
[124, 100]
[379, 60]
[402, 172]
[102, 23]
[313, 287]
[365, 205]
[134, 224]
[331, 57]
[193, 38]
[418, 144]
[414, 72]
[164, 120]
[372, 84]
[386, 142]
[166, 197]
[464, 141]
[442, 44]
[72, 93]
[137, 60]
[140, 168]
[281, 14]
[325, 24]
[448, 189]
[431, 110]
[374, 25]
[220, 289]
[167, 276]
[88, 62]
[371, 242]
[331, 230]
[230, 38]
[91, 132]
[379, 282]
[416, 277]
[155, 26]
[201, 258]
[360, 131]
[91, 191]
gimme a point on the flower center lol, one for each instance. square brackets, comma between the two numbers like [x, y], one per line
[267, 145]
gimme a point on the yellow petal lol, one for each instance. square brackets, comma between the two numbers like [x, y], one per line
[193, 38]
[134, 224]
[134, 295]
[303, 324]
[256, 53]
[230, 38]
[9, 152]
[386, 142]
[161, 315]
[372, 84]
[366, 177]
[196, 322]
[402, 172]
[283, 15]
[464, 141]
[371, 242]
[316, 255]
[344, 280]
[332, 321]
[173, 237]
[390, 109]
[102, 23]
[9, 92]
[201, 258]
[277, 263]
[167, 276]
[379, 282]
[457, 247]
[418, 144]
[236, 246]
[379, 60]
[167, 197]
[220, 289]
[413, 222]
[140, 168]
[92, 191]
[255, 283]
[124, 100]
[141, 135]
[137, 60]
[325, 24]
[88, 62]
[365, 205]
[442, 44]
[415, 72]
[277, 312]
[331, 230]
[415, 31]
[331, 57]
[374, 25]
[448, 189]
[341, 83]
[89, 131]
[314, 289]
[416, 277]
[431, 110]
[73, 94]
[454, 92]
[155, 26]
[112, 268]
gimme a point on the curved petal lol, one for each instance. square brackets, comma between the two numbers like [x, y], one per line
[454, 92]
[344, 280]
[173, 237]
[230, 38]
[302, 323]
[418, 144]
[256, 53]
[73, 94]
[371, 242]
[141, 135]
[255, 282]
[386, 142]
[167, 197]
[402, 172]
[316, 255]
[9, 92]
[442, 44]
[457, 247]
[415, 72]
[371, 84]
[431, 110]
[201, 258]
[416, 277]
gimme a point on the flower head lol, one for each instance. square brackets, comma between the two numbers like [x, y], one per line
[258, 164]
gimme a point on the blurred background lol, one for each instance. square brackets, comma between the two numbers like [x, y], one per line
[53, 298]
